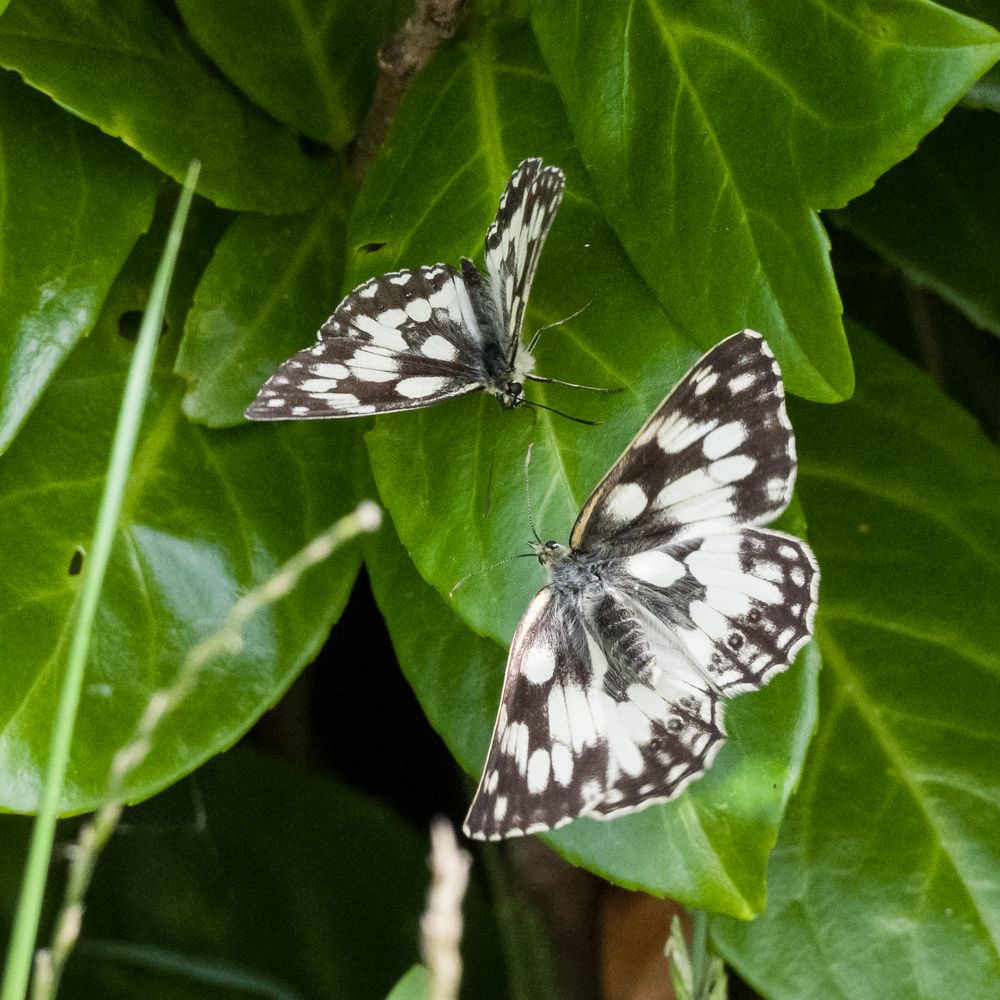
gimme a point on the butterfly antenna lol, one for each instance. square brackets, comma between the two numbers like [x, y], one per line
[552, 409]
[551, 326]
[527, 493]
[485, 569]
[574, 385]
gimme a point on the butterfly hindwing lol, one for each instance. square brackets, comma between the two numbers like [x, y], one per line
[514, 241]
[718, 452]
[399, 341]
[739, 605]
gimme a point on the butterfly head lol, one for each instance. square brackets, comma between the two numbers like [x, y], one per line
[550, 553]
[510, 394]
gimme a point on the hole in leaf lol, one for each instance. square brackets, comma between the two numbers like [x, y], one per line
[370, 247]
[129, 323]
[76, 561]
[312, 148]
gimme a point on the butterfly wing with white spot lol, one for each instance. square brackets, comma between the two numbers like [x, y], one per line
[399, 341]
[544, 757]
[718, 452]
[595, 720]
[738, 605]
[514, 241]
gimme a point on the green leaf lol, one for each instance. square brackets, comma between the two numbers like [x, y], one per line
[430, 195]
[712, 132]
[74, 203]
[251, 879]
[269, 287]
[708, 848]
[891, 838]
[124, 66]
[310, 64]
[415, 985]
[950, 244]
[207, 516]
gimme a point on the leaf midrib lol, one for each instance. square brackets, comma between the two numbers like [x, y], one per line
[851, 689]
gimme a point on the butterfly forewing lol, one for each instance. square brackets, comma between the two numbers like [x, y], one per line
[594, 720]
[718, 452]
[514, 241]
[536, 763]
[399, 341]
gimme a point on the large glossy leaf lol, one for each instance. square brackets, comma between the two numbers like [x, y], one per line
[270, 285]
[207, 516]
[883, 884]
[937, 217]
[126, 67]
[430, 196]
[249, 879]
[713, 131]
[310, 64]
[74, 203]
[709, 848]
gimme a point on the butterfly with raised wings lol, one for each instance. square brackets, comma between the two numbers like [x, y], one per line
[668, 600]
[412, 338]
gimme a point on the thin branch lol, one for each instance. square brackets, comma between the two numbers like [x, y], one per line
[432, 22]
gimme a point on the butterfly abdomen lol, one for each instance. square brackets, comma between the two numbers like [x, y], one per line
[625, 647]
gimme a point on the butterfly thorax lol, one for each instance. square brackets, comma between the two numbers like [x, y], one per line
[567, 569]
[505, 363]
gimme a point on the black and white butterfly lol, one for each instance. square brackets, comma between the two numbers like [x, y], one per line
[412, 338]
[668, 600]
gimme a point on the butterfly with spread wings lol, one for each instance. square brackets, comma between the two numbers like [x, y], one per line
[412, 338]
[668, 600]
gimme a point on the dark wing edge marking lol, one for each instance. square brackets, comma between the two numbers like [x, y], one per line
[740, 605]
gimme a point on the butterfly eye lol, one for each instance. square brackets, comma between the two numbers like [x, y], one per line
[515, 388]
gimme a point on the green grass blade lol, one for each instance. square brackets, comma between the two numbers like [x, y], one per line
[18, 965]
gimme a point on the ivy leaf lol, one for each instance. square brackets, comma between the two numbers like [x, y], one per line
[899, 791]
[74, 203]
[208, 515]
[709, 848]
[269, 287]
[310, 64]
[429, 196]
[713, 132]
[950, 245]
[124, 66]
